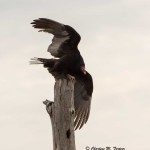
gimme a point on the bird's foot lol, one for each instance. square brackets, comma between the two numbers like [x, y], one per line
[70, 77]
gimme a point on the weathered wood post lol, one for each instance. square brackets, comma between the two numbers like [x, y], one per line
[61, 112]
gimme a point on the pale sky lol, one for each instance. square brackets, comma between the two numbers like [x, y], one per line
[115, 44]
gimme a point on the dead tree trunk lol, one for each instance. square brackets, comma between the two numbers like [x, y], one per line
[61, 112]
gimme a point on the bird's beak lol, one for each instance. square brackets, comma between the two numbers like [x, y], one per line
[83, 70]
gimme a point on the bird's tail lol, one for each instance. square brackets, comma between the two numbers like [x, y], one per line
[47, 63]
[35, 60]
[44, 61]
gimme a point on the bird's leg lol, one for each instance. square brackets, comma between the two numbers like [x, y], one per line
[70, 77]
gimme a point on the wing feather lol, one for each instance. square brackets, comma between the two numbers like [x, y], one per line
[82, 102]
[62, 34]
[50, 26]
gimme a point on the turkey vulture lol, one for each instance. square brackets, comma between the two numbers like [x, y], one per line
[69, 63]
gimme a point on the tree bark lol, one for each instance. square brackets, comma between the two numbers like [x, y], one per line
[61, 112]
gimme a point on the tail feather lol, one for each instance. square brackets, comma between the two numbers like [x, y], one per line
[35, 60]
[47, 63]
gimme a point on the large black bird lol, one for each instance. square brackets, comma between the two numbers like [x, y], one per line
[69, 63]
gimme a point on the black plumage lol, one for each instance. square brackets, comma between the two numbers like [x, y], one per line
[69, 63]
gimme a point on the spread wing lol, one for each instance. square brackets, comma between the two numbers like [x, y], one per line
[65, 40]
[82, 101]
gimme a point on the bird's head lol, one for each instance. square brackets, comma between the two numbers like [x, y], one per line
[83, 70]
